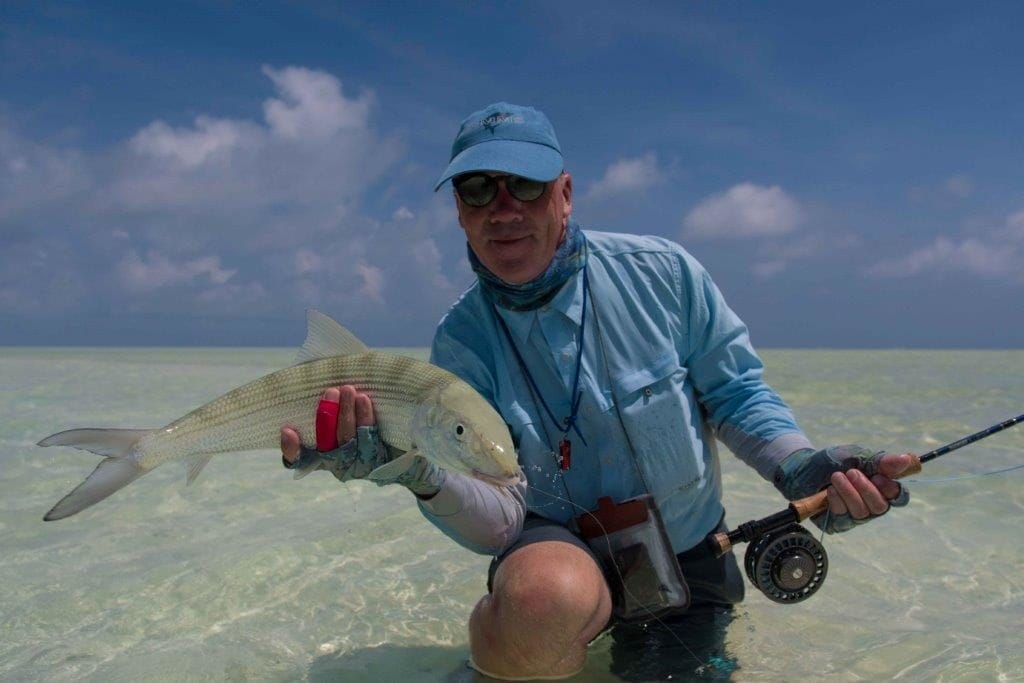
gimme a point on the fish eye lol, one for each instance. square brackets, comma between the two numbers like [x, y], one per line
[459, 430]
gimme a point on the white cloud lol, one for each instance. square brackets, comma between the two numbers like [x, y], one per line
[1015, 225]
[189, 147]
[157, 271]
[147, 225]
[315, 148]
[628, 175]
[372, 283]
[312, 105]
[430, 264]
[946, 255]
[995, 254]
[744, 210]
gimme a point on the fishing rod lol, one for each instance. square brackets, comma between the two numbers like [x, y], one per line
[784, 561]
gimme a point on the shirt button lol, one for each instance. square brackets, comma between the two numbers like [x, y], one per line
[648, 392]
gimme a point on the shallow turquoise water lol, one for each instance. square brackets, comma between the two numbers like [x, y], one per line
[249, 575]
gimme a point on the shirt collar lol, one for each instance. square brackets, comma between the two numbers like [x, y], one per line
[568, 302]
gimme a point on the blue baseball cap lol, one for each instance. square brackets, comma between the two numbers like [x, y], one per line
[507, 138]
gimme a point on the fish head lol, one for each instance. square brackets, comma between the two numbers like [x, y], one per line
[457, 429]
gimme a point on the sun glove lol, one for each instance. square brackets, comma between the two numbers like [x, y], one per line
[361, 455]
[807, 471]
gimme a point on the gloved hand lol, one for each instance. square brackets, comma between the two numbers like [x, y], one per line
[361, 455]
[354, 459]
[346, 415]
[807, 471]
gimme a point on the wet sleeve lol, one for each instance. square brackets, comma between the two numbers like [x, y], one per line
[748, 415]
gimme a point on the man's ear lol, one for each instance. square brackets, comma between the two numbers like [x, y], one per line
[458, 208]
[566, 196]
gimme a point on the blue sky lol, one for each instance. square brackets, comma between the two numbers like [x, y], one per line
[200, 173]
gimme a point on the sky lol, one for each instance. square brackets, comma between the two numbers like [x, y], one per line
[200, 173]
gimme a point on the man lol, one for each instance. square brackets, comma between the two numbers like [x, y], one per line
[616, 363]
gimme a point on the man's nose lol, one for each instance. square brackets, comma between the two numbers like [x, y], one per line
[504, 204]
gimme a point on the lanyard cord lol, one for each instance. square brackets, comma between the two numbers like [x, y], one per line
[615, 403]
[569, 422]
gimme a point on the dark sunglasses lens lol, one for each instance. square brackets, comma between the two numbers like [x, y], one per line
[476, 190]
[524, 189]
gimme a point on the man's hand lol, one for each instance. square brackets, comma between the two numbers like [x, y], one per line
[355, 409]
[359, 449]
[855, 494]
[861, 484]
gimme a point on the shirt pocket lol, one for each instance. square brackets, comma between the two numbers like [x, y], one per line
[663, 423]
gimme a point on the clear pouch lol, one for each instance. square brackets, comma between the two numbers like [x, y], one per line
[630, 538]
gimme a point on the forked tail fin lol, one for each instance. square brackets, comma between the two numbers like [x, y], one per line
[117, 471]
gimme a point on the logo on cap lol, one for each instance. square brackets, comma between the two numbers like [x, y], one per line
[498, 118]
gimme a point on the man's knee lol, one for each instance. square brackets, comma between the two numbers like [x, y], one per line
[548, 600]
[551, 582]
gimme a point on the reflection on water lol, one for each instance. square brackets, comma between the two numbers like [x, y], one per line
[249, 575]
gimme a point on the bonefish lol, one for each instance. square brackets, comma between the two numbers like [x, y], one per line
[420, 409]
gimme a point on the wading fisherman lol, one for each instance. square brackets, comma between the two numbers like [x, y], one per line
[616, 363]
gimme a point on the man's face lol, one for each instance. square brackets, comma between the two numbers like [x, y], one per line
[516, 240]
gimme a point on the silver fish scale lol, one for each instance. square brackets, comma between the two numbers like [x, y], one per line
[250, 417]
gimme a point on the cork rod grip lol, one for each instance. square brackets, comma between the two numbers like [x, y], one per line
[720, 543]
[812, 505]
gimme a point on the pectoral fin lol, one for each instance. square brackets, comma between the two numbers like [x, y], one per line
[195, 466]
[388, 472]
[313, 466]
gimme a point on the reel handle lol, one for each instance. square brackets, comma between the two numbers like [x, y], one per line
[817, 503]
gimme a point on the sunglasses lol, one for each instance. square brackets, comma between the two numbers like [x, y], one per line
[480, 189]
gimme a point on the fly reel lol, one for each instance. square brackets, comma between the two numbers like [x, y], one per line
[788, 564]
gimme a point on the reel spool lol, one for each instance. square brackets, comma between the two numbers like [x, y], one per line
[788, 565]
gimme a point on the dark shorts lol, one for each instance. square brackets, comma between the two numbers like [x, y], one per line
[713, 581]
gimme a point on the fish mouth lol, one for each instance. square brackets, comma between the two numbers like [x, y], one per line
[498, 481]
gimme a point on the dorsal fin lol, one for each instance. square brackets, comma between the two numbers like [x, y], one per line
[325, 337]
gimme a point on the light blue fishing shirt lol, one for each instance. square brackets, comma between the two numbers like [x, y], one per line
[666, 367]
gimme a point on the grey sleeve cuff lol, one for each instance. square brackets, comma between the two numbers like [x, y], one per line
[448, 501]
[476, 515]
[763, 456]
